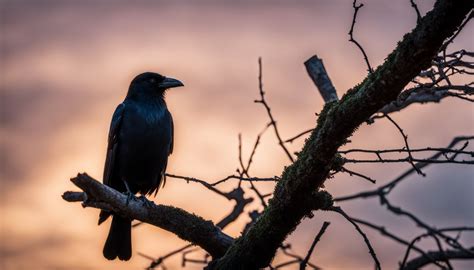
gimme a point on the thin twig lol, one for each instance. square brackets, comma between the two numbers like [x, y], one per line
[290, 140]
[431, 230]
[387, 188]
[351, 32]
[285, 248]
[407, 159]
[403, 150]
[343, 169]
[405, 139]
[418, 15]
[315, 241]
[460, 28]
[339, 210]
[392, 236]
[257, 141]
[158, 261]
[419, 262]
[269, 113]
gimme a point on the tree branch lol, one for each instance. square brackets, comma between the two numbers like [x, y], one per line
[387, 188]
[336, 123]
[351, 35]
[315, 241]
[268, 109]
[359, 230]
[187, 226]
[418, 14]
[317, 72]
[421, 261]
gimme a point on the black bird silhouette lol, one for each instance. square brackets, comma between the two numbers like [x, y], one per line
[140, 141]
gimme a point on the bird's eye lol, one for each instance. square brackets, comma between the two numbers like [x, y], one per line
[153, 80]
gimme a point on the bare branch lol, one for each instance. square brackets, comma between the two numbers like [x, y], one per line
[421, 261]
[460, 28]
[336, 123]
[244, 170]
[418, 15]
[351, 32]
[418, 238]
[317, 72]
[423, 94]
[290, 140]
[295, 258]
[430, 229]
[315, 241]
[385, 189]
[269, 113]
[403, 150]
[160, 260]
[405, 139]
[408, 159]
[218, 182]
[392, 236]
[366, 240]
[238, 196]
[358, 174]
[187, 226]
[254, 149]
[443, 67]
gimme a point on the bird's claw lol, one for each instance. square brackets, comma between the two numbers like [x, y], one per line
[130, 196]
[145, 201]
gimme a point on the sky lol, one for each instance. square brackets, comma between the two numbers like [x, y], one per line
[66, 65]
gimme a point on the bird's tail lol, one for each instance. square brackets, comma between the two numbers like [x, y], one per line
[119, 241]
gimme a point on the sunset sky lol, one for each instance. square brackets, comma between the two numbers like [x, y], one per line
[66, 65]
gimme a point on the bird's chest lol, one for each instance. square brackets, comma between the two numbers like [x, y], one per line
[151, 118]
[146, 127]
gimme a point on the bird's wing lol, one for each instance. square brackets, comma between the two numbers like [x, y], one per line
[112, 152]
[172, 135]
[112, 144]
[169, 153]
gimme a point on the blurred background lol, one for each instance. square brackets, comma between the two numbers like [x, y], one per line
[65, 65]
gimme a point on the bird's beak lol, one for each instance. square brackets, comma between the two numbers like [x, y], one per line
[170, 83]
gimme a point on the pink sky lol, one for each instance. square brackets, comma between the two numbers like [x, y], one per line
[65, 66]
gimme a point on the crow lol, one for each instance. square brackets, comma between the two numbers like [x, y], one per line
[139, 143]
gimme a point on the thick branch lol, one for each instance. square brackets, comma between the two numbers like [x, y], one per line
[336, 123]
[317, 72]
[187, 226]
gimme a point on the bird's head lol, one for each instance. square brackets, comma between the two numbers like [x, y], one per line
[151, 84]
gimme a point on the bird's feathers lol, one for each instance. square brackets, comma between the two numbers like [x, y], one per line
[112, 143]
[111, 152]
[172, 134]
[139, 143]
[119, 240]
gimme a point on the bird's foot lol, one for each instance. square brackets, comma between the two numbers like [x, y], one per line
[130, 197]
[145, 201]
